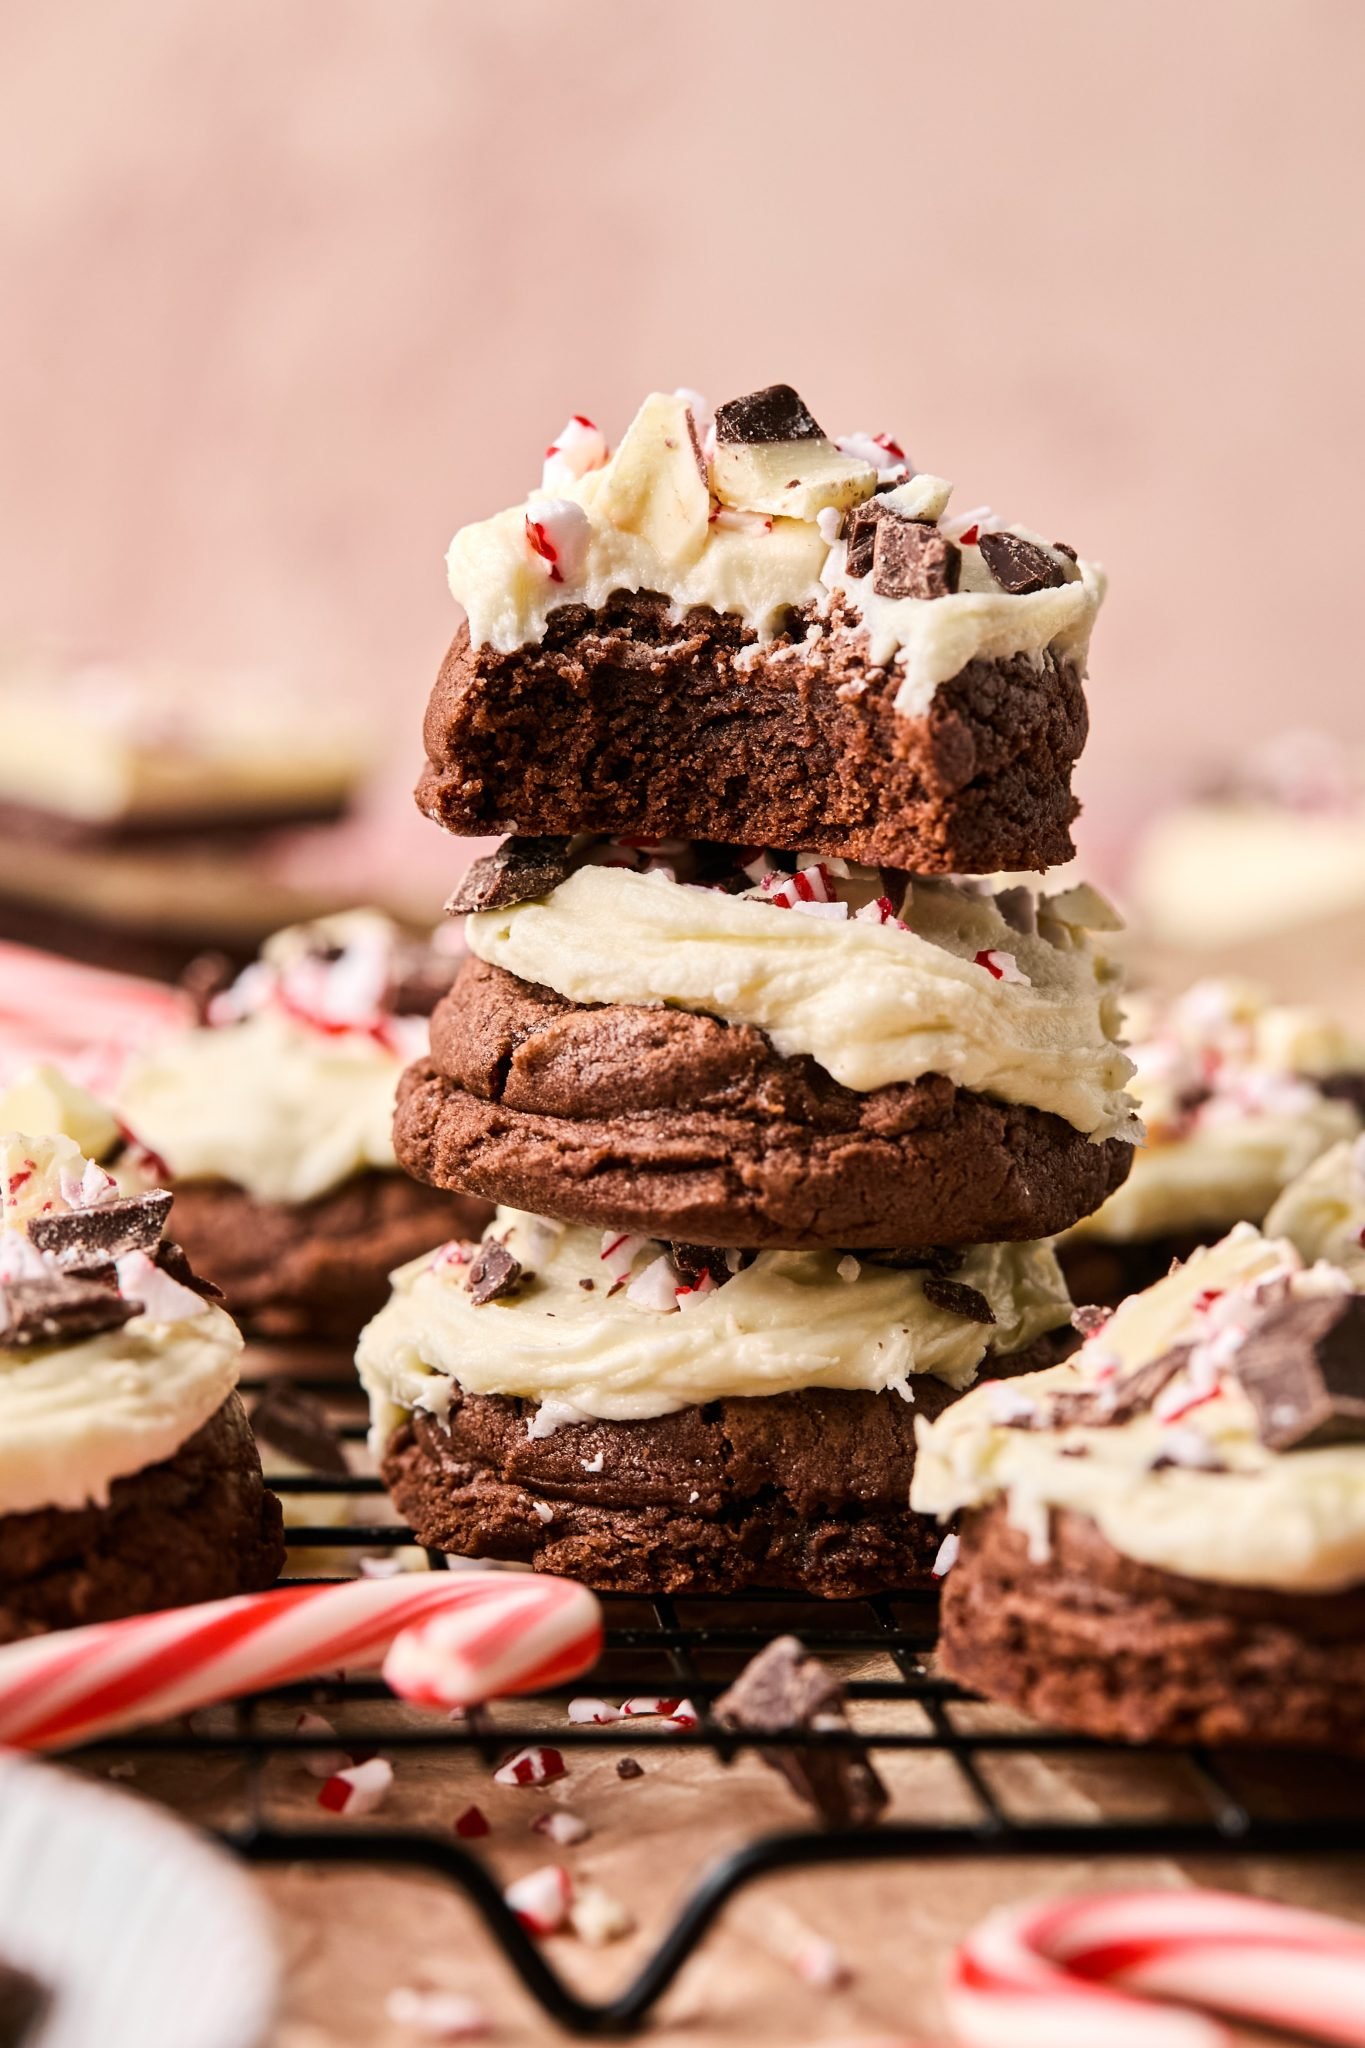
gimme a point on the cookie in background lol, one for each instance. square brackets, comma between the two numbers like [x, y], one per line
[129, 1478]
[1239, 1095]
[146, 814]
[272, 1116]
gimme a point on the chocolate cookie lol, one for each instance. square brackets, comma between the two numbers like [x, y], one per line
[316, 1269]
[1089, 1640]
[802, 1492]
[681, 1126]
[199, 1526]
[630, 720]
[1105, 1273]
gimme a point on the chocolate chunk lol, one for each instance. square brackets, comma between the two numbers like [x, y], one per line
[861, 535]
[776, 413]
[958, 1299]
[626, 1767]
[295, 1423]
[82, 1238]
[1112, 1401]
[1064, 547]
[517, 872]
[1303, 1370]
[1018, 565]
[911, 559]
[207, 976]
[59, 1306]
[782, 1691]
[695, 1261]
[494, 1272]
[174, 1259]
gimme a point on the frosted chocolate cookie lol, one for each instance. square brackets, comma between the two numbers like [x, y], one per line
[740, 628]
[271, 1117]
[129, 1479]
[1164, 1538]
[773, 1054]
[651, 1417]
[1239, 1095]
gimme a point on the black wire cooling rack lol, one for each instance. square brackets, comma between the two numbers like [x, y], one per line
[692, 1648]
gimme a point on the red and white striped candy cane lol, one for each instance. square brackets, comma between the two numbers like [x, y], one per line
[82, 1018]
[516, 1632]
[1063, 1975]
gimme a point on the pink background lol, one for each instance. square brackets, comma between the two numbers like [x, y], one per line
[291, 288]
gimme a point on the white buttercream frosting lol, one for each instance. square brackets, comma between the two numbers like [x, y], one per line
[787, 1321]
[1322, 1213]
[871, 1002]
[1186, 1485]
[291, 1090]
[1226, 1083]
[75, 1417]
[667, 515]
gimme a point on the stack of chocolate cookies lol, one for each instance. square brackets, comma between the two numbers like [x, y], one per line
[777, 1107]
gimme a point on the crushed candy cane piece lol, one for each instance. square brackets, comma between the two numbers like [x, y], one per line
[319, 1763]
[1002, 966]
[472, 1824]
[885, 455]
[578, 447]
[597, 1918]
[540, 1900]
[947, 1554]
[561, 1826]
[656, 1286]
[807, 885]
[534, 1766]
[594, 1464]
[849, 1268]
[558, 534]
[685, 1715]
[359, 1789]
[620, 1248]
[819, 1963]
[163, 1299]
[594, 1713]
[693, 1291]
[881, 910]
[647, 1703]
[543, 1511]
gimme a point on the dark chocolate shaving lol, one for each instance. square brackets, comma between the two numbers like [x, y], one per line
[494, 1273]
[516, 872]
[861, 535]
[1109, 1402]
[81, 1238]
[958, 1299]
[1303, 1369]
[695, 1261]
[206, 976]
[59, 1306]
[1019, 566]
[174, 1259]
[777, 413]
[911, 559]
[1064, 547]
[627, 1767]
[783, 1692]
[295, 1423]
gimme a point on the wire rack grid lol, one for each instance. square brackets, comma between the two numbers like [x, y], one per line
[692, 1649]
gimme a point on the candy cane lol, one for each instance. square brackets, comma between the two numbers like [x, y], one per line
[83, 1018]
[1059, 1975]
[516, 1632]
